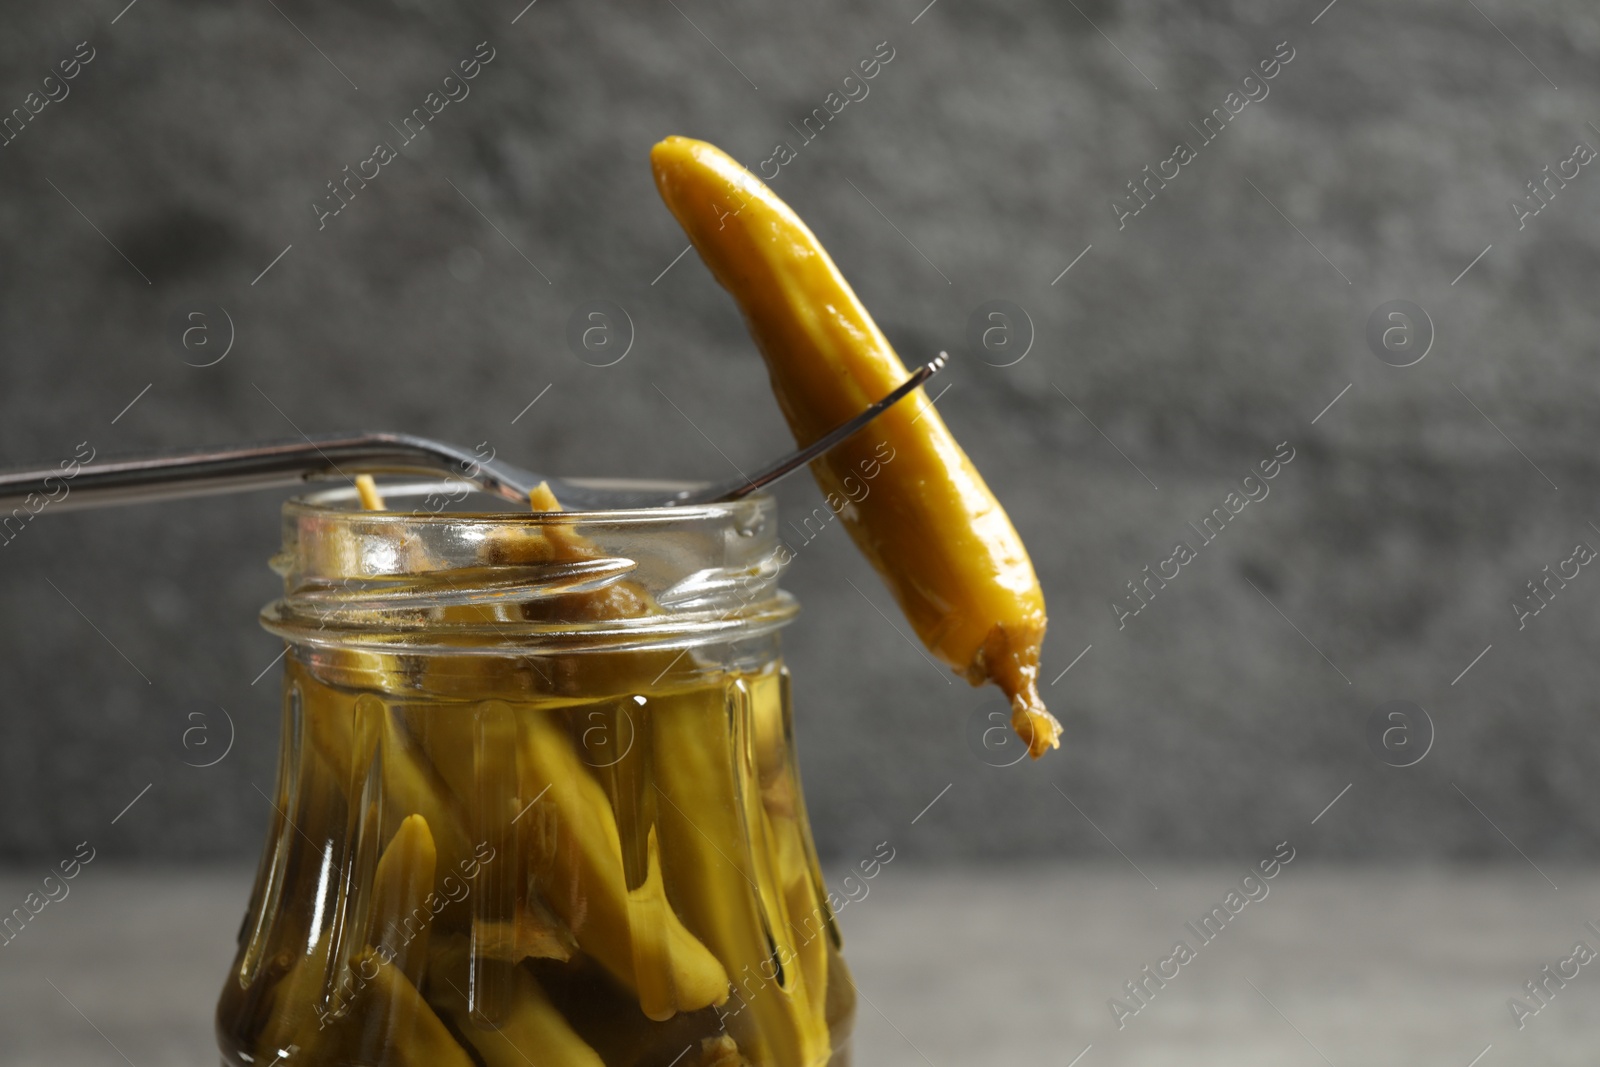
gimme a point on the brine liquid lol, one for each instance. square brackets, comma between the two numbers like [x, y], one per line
[626, 881]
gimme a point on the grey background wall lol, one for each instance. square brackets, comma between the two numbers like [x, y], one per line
[1219, 321]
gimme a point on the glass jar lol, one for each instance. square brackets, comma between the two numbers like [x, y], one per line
[537, 800]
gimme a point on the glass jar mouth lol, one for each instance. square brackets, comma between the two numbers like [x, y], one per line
[431, 575]
[456, 491]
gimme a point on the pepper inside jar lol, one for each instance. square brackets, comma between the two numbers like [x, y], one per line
[537, 798]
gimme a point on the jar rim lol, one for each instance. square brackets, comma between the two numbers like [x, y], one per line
[320, 501]
[448, 582]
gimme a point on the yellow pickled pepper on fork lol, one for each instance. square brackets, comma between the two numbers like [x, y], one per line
[924, 518]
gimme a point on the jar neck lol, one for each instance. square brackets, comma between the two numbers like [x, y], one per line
[452, 583]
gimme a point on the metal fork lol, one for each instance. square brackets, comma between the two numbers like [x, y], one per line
[238, 468]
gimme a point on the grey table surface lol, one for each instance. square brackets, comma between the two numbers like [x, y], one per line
[1374, 967]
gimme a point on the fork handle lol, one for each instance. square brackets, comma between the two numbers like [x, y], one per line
[225, 469]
